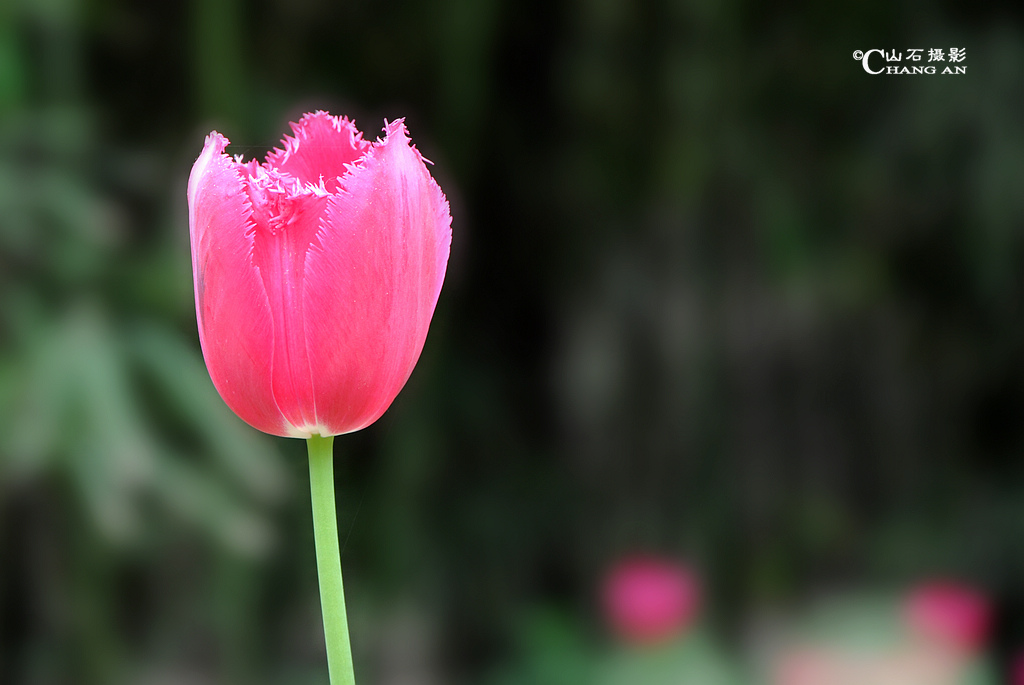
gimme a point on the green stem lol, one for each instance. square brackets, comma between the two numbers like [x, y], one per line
[328, 560]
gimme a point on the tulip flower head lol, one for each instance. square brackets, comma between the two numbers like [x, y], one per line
[649, 600]
[950, 615]
[316, 273]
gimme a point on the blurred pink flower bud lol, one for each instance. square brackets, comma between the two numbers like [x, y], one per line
[950, 614]
[650, 600]
[316, 274]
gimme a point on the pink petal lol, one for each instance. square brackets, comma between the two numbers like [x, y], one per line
[286, 219]
[372, 280]
[322, 147]
[235, 328]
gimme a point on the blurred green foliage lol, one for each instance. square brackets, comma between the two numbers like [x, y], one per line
[554, 650]
[715, 293]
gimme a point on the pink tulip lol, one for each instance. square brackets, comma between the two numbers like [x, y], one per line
[316, 273]
[650, 600]
[949, 614]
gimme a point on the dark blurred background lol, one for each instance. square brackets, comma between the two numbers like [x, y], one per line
[715, 294]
